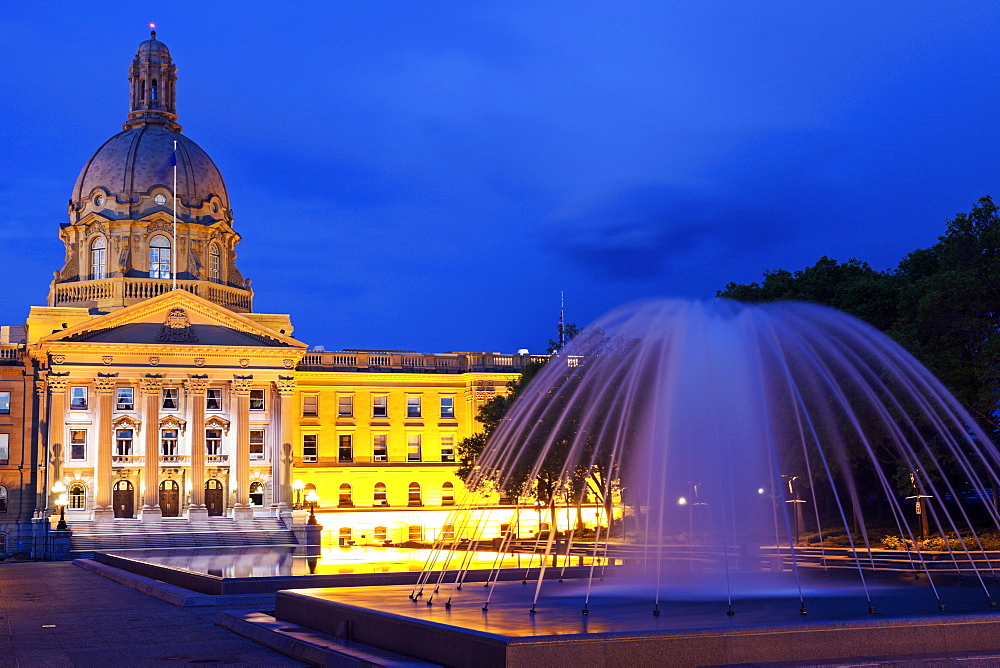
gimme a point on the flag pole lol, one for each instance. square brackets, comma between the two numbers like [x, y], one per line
[562, 324]
[173, 260]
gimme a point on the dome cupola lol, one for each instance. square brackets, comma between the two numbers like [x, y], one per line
[149, 208]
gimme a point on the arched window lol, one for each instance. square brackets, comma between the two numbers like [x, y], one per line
[380, 496]
[142, 91]
[153, 91]
[416, 532]
[159, 257]
[77, 496]
[345, 496]
[257, 493]
[380, 533]
[214, 264]
[448, 494]
[414, 494]
[448, 532]
[98, 259]
[3, 499]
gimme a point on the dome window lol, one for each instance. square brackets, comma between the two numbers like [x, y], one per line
[153, 92]
[99, 200]
[159, 257]
[214, 264]
[142, 91]
[98, 259]
[160, 199]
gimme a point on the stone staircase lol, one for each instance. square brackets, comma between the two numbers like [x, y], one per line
[127, 534]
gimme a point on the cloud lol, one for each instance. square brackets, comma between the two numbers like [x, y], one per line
[653, 230]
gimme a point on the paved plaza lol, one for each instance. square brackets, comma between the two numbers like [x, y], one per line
[57, 614]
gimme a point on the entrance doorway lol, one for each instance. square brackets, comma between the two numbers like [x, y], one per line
[123, 498]
[169, 498]
[214, 498]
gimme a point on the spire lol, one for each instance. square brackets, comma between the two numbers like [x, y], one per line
[152, 94]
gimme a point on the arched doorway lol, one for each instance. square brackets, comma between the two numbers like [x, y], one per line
[214, 499]
[170, 493]
[257, 494]
[123, 498]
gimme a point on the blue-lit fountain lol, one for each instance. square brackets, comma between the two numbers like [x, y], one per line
[742, 439]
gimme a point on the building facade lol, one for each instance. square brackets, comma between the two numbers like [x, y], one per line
[148, 389]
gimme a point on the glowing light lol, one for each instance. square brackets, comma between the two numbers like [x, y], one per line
[152, 26]
[682, 501]
[760, 490]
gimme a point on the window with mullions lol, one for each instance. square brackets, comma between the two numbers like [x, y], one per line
[448, 448]
[124, 399]
[4, 448]
[447, 407]
[413, 406]
[310, 405]
[256, 400]
[78, 398]
[77, 496]
[448, 494]
[381, 498]
[413, 447]
[345, 451]
[98, 263]
[309, 447]
[213, 441]
[78, 444]
[380, 406]
[4, 403]
[345, 405]
[168, 442]
[214, 264]
[213, 399]
[123, 443]
[159, 257]
[256, 444]
[257, 493]
[345, 499]
[413, 495]
[380, 448]
[169, 399]
[3, 500]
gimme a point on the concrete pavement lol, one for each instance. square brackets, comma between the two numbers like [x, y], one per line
[57, 614]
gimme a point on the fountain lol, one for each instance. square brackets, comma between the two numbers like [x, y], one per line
[760, 461]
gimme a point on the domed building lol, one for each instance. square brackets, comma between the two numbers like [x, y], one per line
[149, 211]
[148, 388]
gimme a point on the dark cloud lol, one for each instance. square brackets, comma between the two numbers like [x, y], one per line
[649, 231]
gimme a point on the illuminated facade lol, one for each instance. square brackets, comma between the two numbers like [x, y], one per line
[148, 389]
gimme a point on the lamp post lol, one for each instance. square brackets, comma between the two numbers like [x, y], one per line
[797, 519]
[298, 486]
[61, 502]
[312, 498]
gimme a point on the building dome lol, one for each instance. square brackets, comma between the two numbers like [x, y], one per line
[127, 169]
[153, 45]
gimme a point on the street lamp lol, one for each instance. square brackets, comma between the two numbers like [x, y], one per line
[61, 502]
[312, 498]
[298, 486]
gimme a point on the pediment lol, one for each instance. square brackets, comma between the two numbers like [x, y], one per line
[177, 318]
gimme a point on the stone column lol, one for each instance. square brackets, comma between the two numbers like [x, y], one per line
[41, 434]
[151, 388]
[240, 468]
[195, 387]
[57, 383]
[105, 388]
[281, 458]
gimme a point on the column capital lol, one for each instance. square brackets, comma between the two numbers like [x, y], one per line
[105, 382]
[241, 385]
[57, 382]
[195, 384]
[285, 385]
[151, 384]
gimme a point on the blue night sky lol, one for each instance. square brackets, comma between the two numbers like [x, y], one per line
[429, 175]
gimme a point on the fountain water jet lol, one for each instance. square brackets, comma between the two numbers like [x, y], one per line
[717, 423]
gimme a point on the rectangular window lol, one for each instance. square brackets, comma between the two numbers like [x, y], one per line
[345, 451]
[168, 442]
[413, 447]
[124, 399]
[123, 443]
[447, 407]
[448, 448]
[213, 441]
[413, 406]
[256, 444]
[380, 406]
[169, 399]
[4, 403]
[78, 444]
[380, 448]
[345, 405]
[309, 447]
[213, 400]
[256, 400]
[310, 405]
[4, 448]
[78, 398]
